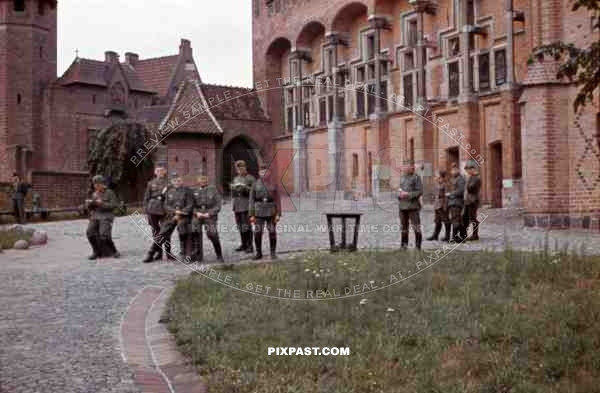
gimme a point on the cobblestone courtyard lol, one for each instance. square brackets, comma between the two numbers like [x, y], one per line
[60, 314]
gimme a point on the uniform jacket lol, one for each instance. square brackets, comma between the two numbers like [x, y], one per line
[178, 199]
[264, 199]
[19, 190]
[155, 196]
[441, 201]
[240, 190]
[414, 187]
[206, 200]
[473, 189]
[457, 191]
[105, 210]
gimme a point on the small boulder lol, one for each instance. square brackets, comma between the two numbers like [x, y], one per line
[21, 245]
[22, 229]
[39, 238]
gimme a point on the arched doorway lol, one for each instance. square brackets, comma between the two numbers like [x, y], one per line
[238, 149]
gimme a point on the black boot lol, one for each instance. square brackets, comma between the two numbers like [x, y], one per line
[418, 240]
[110, 246]
[448, 229]
[170, 256]
[456, 234]
[404, 240]
[436, 232]
[183, 257]
[249, 239]
[218, 250]
[475, 235]
[258, 241]
[150, 256]
[197, 248]
[159, 254]
[95, 248]
[273, 245]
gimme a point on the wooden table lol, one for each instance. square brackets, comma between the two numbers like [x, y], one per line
[343, 245]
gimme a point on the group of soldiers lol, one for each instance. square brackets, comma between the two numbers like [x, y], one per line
[455, 204]
[171, 206]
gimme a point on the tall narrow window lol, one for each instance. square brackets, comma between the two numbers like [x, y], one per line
[384, 100]
[411, 149]
[306, 111]
[360, 102]
[322, 111]
[370, 99]
[329, 61]
[500, 66]
[19, 5]
[370, 46]
[290, 119]
[19, 99]
[470, 12]
[407, 83]
[330, 108]
[355, 171]
[412, 32]
[41, 7]
[484, 71]
[409, 61]
[453, 79]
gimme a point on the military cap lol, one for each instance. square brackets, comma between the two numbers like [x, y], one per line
[240, 164]
[471, 164]
[453, 165]
[174, 175]
[263, 167]
[408, 162]
[202, 178]
[98, 179]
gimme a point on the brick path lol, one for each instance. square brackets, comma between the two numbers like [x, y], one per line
[67, 324]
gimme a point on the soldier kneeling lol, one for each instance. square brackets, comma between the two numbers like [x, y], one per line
[207, 204]
[99, 231]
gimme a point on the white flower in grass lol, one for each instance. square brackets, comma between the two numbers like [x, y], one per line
[307, 270]
[390, 309]
[317, 275]
[364, 301]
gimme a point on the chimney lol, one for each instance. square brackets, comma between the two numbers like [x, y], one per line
[111, 57]
[185, 49]
[131, 58]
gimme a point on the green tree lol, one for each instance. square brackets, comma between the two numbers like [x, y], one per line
[581, 65]
[110, 155]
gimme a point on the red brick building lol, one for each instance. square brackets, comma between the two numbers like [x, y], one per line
[355, 87]
[47, 122]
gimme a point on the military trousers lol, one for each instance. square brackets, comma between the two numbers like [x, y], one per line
[242, 220]
[19, 210]
[99, 234]
[167, 227]
[470, 217]
[441, 216]
[413, 218]
[212, 232]
[259, 226]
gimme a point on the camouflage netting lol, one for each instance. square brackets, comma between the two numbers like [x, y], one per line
[110, 155]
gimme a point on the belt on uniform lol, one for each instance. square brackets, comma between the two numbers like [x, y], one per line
[266, 200]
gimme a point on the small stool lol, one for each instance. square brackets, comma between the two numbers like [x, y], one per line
[343, 246]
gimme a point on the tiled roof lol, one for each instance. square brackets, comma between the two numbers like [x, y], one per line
[99, 73]
[157, 73]
[228, 102]
[189, 112]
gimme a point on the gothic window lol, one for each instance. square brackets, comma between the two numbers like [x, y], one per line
[500, 66]
[19, 99]
[322, 111]
[412, 33]
[407, 83]
[453, 79]
[370, 46]
[409, 61]
[360, 74]
[355, 171]
[117, 94]
[371, 99]
[329, 64]
[484, 71]
[453, 47]
[41, 9]
[384, 100]
[360, 103]
[19, 5]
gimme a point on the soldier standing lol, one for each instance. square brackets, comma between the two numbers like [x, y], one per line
[178, 208]
[99, 232]
[18, 193]
[456, 202]
[411, 189]
[472, 200]
[242, 184]
[440, 207]
[154, 207]
[265, 208]
[207, 204]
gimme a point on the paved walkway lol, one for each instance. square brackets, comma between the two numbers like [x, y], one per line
[64, 325]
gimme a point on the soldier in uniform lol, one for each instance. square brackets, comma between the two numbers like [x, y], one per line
[207, 204]
[99, 232]
[440, 207]
[178, 208]
[472, 200]
[154, 207]
[18, 193]
[242, 184]
[265, 208]
[456, 202]
[411, 189]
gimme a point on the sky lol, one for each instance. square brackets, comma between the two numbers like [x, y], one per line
[220, 31]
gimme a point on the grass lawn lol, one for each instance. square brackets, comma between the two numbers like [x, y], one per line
[473, 322]
[9, 237]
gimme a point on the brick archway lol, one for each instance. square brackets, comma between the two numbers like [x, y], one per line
[239, 148]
